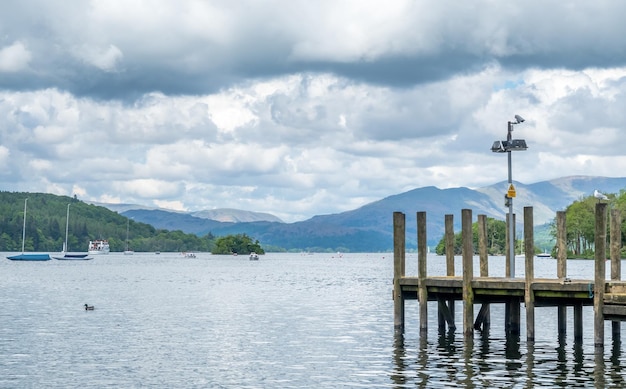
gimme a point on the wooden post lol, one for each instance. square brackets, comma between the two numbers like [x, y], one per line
[483, 319]
[399, 229]
[482, 246]
[449, 234]
[578, 322]
[600, 269]
[421, 270]
[468, 272]
[529, 294]
[449, 242]
[561, 266]
[616, 270]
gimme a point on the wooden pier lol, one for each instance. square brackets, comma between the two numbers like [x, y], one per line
[608, 297]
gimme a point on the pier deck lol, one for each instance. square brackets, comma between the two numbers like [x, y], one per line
[608, 297]
[547, 292]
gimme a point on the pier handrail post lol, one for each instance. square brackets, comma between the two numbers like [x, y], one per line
[529, 294]
[399, 264]
[561, 245]
[482, 246]
[616, 244]
[449, 241]
[616, 268]
[600, 278]
[468, 272]
[421, 270]
[561, 266]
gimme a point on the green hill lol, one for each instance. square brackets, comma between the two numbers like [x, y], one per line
[46, 220]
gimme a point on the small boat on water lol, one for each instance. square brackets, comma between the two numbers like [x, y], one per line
[98, 247]
[544, 255]
[187, 254]
[254, 256]
[70, 256]
[28, 256]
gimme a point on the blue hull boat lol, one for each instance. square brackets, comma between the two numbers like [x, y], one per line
[30, 257]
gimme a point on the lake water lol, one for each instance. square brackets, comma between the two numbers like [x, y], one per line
[285, 321]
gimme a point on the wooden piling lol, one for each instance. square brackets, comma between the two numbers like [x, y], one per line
[449, 241]
[483, 319]
[578, 322]
[399, 263]
[529, 296]
[450, 271]
[561, 266]
[616, 260]
[421, 270]
[468, 272]
[600, 278]
[482, 246]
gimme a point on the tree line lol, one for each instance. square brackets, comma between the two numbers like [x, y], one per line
[46, 217]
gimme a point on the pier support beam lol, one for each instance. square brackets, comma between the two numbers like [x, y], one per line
[483, 320]
[399, 263]
[578, 322]
[616, 267]
[468, 272]
[450, 271]
[600, 278]
[529, 294]
[421, 271]
[561, 266]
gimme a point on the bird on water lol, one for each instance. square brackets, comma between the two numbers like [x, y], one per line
[88, 307]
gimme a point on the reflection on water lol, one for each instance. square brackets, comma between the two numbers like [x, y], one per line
[285, 321]
[480, 362]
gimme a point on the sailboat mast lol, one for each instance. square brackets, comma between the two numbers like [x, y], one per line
[24, 227]
[67, 224]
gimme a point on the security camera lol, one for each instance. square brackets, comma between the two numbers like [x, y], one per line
[519, 119]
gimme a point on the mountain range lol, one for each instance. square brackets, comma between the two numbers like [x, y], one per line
[370, 227]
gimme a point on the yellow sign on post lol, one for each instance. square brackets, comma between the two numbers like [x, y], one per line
[511, 192]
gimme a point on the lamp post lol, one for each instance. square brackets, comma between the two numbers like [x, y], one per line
[507, 146]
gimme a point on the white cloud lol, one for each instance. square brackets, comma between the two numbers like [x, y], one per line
[106, 59]
[298, 108]
[14, 58]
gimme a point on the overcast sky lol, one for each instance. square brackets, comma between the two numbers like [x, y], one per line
[301, 108]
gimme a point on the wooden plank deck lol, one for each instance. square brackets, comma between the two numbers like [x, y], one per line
[547, 291]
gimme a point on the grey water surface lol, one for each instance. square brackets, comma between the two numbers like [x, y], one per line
[285, 321]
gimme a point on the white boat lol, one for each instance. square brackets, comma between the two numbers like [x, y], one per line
[64, 254]
[254, 256]
[187, 254]
[28, 256]
[98, 246]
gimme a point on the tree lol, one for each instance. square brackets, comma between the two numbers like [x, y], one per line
[580, 218]
[236, 244]
[496, 230]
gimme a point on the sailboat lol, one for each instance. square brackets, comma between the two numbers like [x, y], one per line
[23, 256]
[67, 255]
[128, 251]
